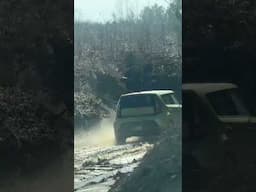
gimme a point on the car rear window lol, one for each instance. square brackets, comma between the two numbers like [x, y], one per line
[136, 105]
[136, 101]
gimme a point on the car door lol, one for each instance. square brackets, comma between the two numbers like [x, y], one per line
[200, 131]
[235, 117]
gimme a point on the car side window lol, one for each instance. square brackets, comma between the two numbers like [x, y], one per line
[169, 99]
[158, 105]
[227, 102]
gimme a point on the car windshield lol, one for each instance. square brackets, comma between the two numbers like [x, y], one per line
[169, 99]
[227, 103]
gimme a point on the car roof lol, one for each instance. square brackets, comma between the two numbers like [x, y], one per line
[155, 92]
[205, 88]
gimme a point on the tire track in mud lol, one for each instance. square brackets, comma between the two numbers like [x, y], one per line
[97, 168]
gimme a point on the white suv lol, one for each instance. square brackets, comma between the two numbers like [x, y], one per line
[145, 113]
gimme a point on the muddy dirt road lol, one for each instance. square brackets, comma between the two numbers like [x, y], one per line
[98, 162]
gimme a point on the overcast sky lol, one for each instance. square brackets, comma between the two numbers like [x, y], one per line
[102, 10]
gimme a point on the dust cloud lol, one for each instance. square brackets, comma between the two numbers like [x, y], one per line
[99, 135]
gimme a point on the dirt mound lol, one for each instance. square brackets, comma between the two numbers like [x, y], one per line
[160, 171]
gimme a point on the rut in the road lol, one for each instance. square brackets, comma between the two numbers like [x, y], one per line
[113, 156]
[99, 167]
